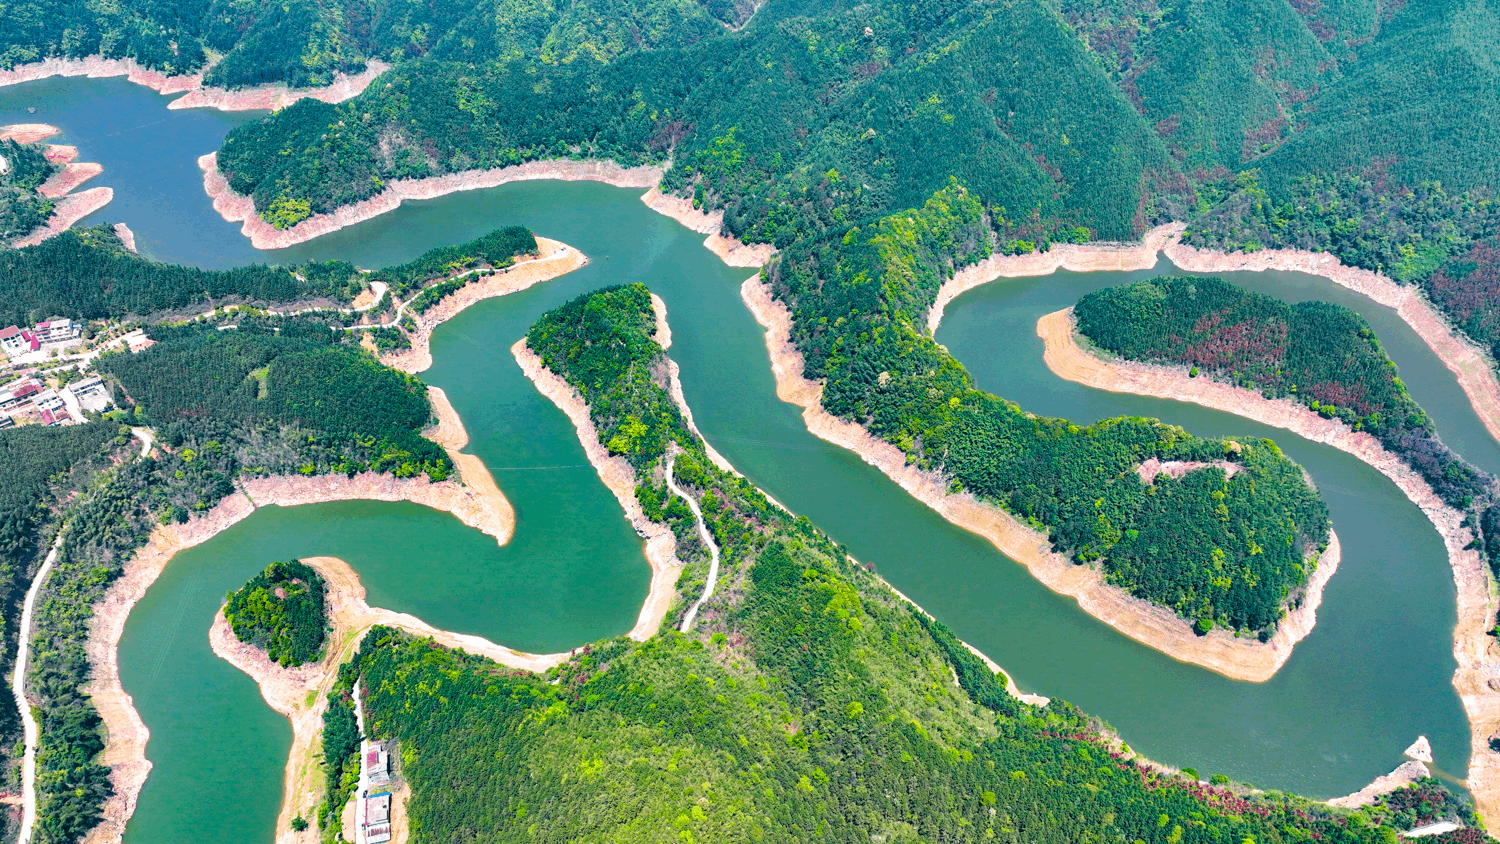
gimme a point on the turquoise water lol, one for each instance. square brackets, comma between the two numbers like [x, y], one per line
[1374, 674]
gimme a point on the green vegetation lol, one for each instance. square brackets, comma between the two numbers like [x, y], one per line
[1320, 354]
[225, 404]
[810, 702]
[22, 209]
[496, 250]
[87, 274]
[1223, 549]
[351, 413]
[281, 610]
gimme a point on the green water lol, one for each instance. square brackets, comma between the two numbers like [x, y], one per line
[1374, 674]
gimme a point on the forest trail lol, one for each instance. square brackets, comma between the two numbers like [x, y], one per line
[713, 548]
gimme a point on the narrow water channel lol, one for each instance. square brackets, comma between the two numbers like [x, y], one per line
[1374, 674]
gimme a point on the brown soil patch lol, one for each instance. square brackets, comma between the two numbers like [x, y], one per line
[27, 133]
[70, 177]
[69, 210]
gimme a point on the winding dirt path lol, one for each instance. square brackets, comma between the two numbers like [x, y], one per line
[1477, 678]
[708, 541]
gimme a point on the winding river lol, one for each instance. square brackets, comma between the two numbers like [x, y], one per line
[1372, 676]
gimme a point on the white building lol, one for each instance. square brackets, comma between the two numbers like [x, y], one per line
[16, 341]
[58, 331]
[91, 394]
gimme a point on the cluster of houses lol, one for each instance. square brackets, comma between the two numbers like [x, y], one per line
[376, 825]
[18, 343]
[30, 401]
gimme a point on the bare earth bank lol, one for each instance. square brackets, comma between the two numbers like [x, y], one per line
[1467, 361]
[287, 689]
[1158, 627]
[1478, 675]
[476, 501]
[267, 97]
[237, 208]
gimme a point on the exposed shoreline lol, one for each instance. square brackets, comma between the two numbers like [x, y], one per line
[1152, 625]
[731, 251]
[556, 259]
[69, 207]
[287, 689]
[267, 97]
[619, 477]
[1083, 258]
[479, 505]
[237, 208]
[1477, 678]
[1464, 359]
[68, 210]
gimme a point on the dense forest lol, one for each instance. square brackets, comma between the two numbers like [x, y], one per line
[23, 169]
[304, 42]
[86, 274]
[1220, 549]
[282, 611]
[225, 404]
[811, 703]
[1319, 354]
[826, 113]
[261, 381]
[496, 250]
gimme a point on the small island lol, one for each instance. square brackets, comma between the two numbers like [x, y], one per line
[284, 611]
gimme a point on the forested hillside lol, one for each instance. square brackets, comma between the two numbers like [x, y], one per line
[23, 169]
[1319, 354]
[86, 274]
[224, 404]
[351, 413]
[281, 610]
[303, 42]
[810, 703]
[859, 306]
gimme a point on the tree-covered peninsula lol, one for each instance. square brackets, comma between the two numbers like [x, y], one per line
[809, 702]
[1319, 354]
[23, 169]
[1219, 548]
[282, 611]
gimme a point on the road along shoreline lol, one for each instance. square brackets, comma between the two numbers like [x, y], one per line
[1152, 625]
[618, 476]
[473, 497]
[289, 690]
[554, 259]
[1477, 678]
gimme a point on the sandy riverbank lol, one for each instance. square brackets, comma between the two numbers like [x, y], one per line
[67, 211]
[476, 501]
[266, 97]
[731, 251]
[127, 237]
[1478, 654]
[71, 176]
[1466, 361]
[237, 208]
[619, 477]
[277, 97]
[555, 259]
[1158, 627]
[287, 689]
[27, 133]
[1087, 257]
